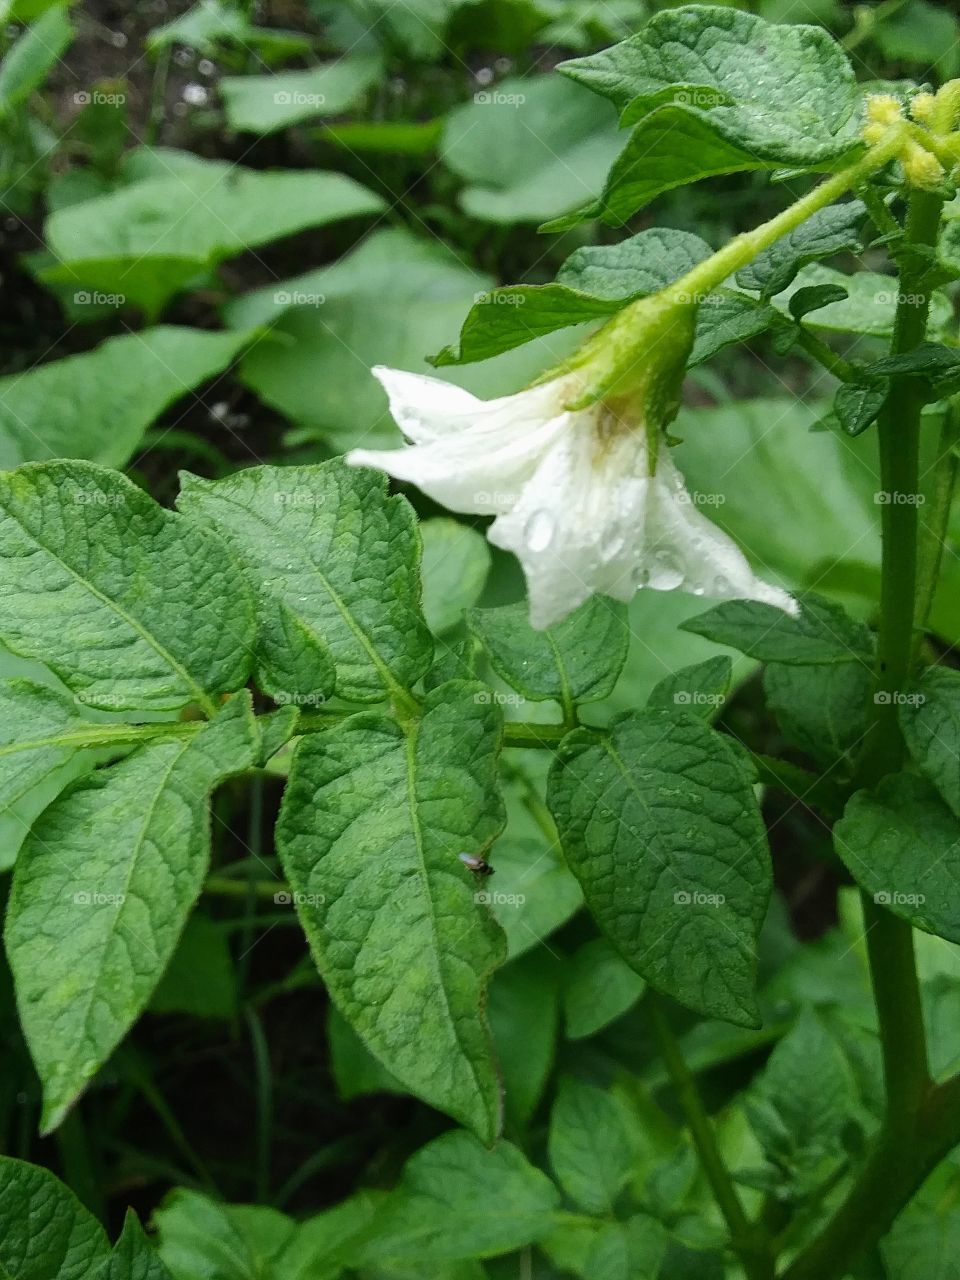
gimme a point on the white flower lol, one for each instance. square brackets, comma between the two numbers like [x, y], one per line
[571, 491]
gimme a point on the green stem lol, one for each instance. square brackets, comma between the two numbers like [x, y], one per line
[225, 887]
[750, 1246]
[898, 1161]
[816, 347]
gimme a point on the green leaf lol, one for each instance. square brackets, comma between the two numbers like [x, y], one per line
[706, 84]
[660, 826]
[590, 1148]
[902, 845]
[594, 282]
[263, 104]
[835, 229]
[149, 240]
[26, 65]
[577, 660]
[97, 405]
[931, 363]
[341, 558]
[372, 821]
[822, 634]
[930, 721]
[133, 1257]
[701, 689]
[802, 1105]
[924, 1242]
[133, 607]
[101, 892]
[212, 24]
[200, 1238]
[276, 729]
[40, 732]
[600, 987]
[858, 407]
[869, 307]
[45, 1232]
[814, 298]
[820, 709]
[355, 1069]
[523, 1008]
[728, 317]
[199, 978]
[456, 562]
[458, 1200]
[530, 149]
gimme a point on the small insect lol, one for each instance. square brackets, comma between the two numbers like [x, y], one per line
[479, 866]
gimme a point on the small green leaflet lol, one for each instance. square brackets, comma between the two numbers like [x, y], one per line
[660, 825]
[930, 721]
[133, 607]
[820, 709]
[26, 65]
[342, 559]
[577, 660]
[456, 562]
[902, 845]
[590, 1147]
[101, 892]
[458, 1200]
[706, 85]
[823, 633]
[40, 732]
[595, 282]
[133, 1257]
[372, 821]
[45, 1232]
[835, 229]
[801, 1106]
[201, 1238]
[599, 988]
[701, 689]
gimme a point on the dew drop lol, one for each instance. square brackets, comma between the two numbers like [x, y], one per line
[639, 576]
[538, 531]
[665, 575]
[720, 585]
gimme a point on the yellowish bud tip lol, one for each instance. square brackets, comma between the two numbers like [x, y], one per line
[921, 107]
[920, 168]
[872, 133]
[883, 108]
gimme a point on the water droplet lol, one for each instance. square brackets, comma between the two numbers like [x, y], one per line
[720, 585]
[538, 531]
[664, 574]
[195, 94]
[639, 576]
[698, 590]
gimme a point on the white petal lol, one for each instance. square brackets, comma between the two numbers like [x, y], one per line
[426, 409]
[685, 549]
[578, 522]
[481, 464]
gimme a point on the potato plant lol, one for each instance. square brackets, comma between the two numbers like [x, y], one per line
[480, 735]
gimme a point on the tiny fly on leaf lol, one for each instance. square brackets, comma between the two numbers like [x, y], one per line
[479, 866]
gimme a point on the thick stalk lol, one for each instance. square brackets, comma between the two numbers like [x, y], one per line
[937, 516]
[748, 1242]
[901, 1154]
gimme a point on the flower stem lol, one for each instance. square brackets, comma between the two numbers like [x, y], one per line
[748, 1241]
[936, 524]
